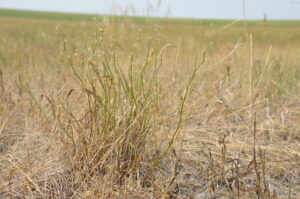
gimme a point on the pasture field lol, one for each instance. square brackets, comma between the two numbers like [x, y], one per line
[139, 20]
[120, 107]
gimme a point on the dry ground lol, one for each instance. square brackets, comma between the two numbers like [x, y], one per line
[66, 134]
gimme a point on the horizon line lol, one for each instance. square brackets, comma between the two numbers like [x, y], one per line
[138, 16]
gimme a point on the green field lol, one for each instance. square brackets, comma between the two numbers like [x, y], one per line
[120, 19]
[124, 107]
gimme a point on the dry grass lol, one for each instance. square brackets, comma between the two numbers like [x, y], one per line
[110, 110]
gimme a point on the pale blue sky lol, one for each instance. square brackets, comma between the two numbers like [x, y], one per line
[213, 9]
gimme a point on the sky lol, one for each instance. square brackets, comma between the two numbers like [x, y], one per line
[203, 9]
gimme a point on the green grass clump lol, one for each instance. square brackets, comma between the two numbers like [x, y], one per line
[117, 132]
[120, 107]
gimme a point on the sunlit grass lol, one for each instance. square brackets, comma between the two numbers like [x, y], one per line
[130, 110]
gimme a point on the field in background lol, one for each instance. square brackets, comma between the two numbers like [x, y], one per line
[126, 108]
[120, 19]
